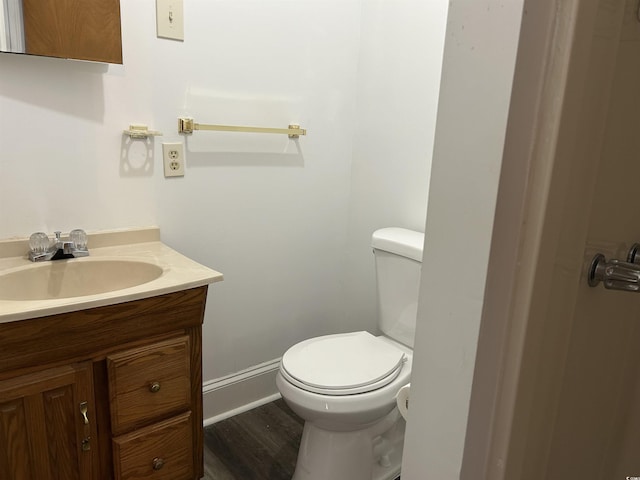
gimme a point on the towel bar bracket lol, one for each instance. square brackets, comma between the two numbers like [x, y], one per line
[185, 125]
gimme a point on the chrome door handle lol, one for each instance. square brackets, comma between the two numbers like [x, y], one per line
[634, 254]
[616, 274]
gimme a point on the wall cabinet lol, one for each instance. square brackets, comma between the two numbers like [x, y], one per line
[82, 29]
[113, 392]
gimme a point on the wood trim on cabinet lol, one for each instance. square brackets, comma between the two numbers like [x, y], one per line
[196, 399]
[97, 329]
[103, 421]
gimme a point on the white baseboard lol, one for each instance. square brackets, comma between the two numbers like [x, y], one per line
[241, 391]
[241, 409]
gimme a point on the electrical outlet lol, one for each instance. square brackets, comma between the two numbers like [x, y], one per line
[173, 158]
[170, 19]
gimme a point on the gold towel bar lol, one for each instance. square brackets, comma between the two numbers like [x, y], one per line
[187, 126]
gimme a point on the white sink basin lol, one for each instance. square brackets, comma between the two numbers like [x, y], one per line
[124, 265]
[74, 278]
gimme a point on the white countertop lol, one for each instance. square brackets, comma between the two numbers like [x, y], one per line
[178, 272]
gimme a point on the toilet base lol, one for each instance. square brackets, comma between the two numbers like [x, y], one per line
[373, 453]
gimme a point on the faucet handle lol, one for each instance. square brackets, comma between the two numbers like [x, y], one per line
[79, 238]
[39, 242]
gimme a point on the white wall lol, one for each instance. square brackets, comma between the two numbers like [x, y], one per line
[398, 82]
[273, 223]
[288, 223]
[267, 212]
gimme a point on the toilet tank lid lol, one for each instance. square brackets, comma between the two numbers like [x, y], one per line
[399, 241]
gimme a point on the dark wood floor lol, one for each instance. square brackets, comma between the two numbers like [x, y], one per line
[261, 444]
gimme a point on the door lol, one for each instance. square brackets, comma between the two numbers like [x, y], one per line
[46, 425]
[570, 399]
[597, 411]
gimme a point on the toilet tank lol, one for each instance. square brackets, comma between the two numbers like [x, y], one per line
[398, 259]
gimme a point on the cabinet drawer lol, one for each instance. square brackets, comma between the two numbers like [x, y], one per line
[149, 383]
[161, 451]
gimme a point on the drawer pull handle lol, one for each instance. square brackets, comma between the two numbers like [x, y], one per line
[154, 387]
[158, 463]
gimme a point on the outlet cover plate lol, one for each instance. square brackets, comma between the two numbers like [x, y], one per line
[170, 19]
[173, 159]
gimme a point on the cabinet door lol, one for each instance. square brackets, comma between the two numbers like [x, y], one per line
[46, 425]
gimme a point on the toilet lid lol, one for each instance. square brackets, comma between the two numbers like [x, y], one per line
[342, 364]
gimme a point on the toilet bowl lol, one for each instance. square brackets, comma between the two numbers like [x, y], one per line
[352, 426]
[344, 386]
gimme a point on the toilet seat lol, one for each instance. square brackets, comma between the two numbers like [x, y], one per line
[342, 364]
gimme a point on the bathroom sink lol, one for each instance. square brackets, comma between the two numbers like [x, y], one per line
[74, 278]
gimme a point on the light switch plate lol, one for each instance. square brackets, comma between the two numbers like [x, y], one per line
[170, 19]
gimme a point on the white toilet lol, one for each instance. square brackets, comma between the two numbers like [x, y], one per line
[344, 386]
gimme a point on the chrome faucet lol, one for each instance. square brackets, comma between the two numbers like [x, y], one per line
[42, 250]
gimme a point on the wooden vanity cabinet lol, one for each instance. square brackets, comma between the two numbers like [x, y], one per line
[113, 392]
